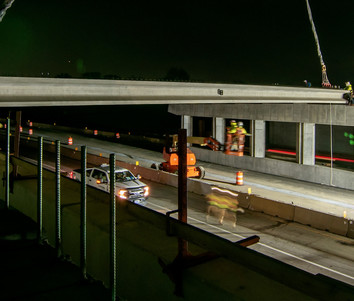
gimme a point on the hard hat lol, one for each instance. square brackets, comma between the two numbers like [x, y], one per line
[347, 83]
[233, 121]
[240, 123]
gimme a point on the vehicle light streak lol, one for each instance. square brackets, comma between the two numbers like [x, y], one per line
[224, 190]
[277, 151]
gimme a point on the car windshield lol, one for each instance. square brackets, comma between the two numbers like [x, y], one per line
[124, 176]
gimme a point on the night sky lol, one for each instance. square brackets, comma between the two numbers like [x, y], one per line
[249, 41]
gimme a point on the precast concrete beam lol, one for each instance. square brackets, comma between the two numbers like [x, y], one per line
[259, 138]
[25, 91]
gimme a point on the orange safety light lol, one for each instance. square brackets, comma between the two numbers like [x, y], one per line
[70, 141]
[30, 132]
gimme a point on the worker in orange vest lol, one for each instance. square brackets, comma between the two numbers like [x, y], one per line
[349, 87]
[240, 136]
[232, 130]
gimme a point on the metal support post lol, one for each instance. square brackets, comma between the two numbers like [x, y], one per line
[40, 191]
[17, 142]
[83, 244]
[113, 228]
[17, 134]
[57, 201]
[7, 165]
[182, 187]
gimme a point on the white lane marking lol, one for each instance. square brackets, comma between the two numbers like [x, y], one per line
[298, 194]
[263, 245]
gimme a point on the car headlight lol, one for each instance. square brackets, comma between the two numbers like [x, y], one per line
[146, 191]
[123, 194]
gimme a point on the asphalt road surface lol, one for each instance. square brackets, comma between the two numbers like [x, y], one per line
[304, 247]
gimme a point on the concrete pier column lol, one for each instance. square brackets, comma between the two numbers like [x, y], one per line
[187, 123]
[305, 143]
[299, 138]
[308, 143]
[258, 129]
[219, 129]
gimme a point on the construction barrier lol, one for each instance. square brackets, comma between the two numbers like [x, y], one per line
[239, 178]
[350, 232]
[244, 200]
[273, 208]
[320, 220]
[198, 187]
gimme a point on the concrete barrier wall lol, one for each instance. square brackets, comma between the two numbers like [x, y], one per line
[350, 232]
[318, 220]
[272, 208]
[322, 221]
[314, 174]
[289, 212]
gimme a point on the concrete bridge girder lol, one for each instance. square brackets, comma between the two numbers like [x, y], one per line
[22, 92]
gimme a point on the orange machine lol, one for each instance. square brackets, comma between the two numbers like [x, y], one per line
[171, 163]
[170, 155]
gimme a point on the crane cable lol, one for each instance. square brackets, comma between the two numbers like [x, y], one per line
[325, 80]
[8, 4]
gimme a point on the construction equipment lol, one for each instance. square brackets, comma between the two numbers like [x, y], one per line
[170, 155]
[205, 141]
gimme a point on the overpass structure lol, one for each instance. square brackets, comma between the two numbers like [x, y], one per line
[247, 102]
[298, 115]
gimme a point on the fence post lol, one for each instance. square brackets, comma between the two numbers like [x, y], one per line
[57, 201]
[7, 165]
[40, 190]
[83, 245]
[113, 244]
[182, 187]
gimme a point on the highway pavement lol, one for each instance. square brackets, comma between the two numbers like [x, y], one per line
[300, 245]
[321, 198]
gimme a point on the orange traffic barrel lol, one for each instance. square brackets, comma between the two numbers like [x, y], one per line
[21, 129]
[30, 131]
[239, 178]
[95, 132]
[117, 135]
[70, 141]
